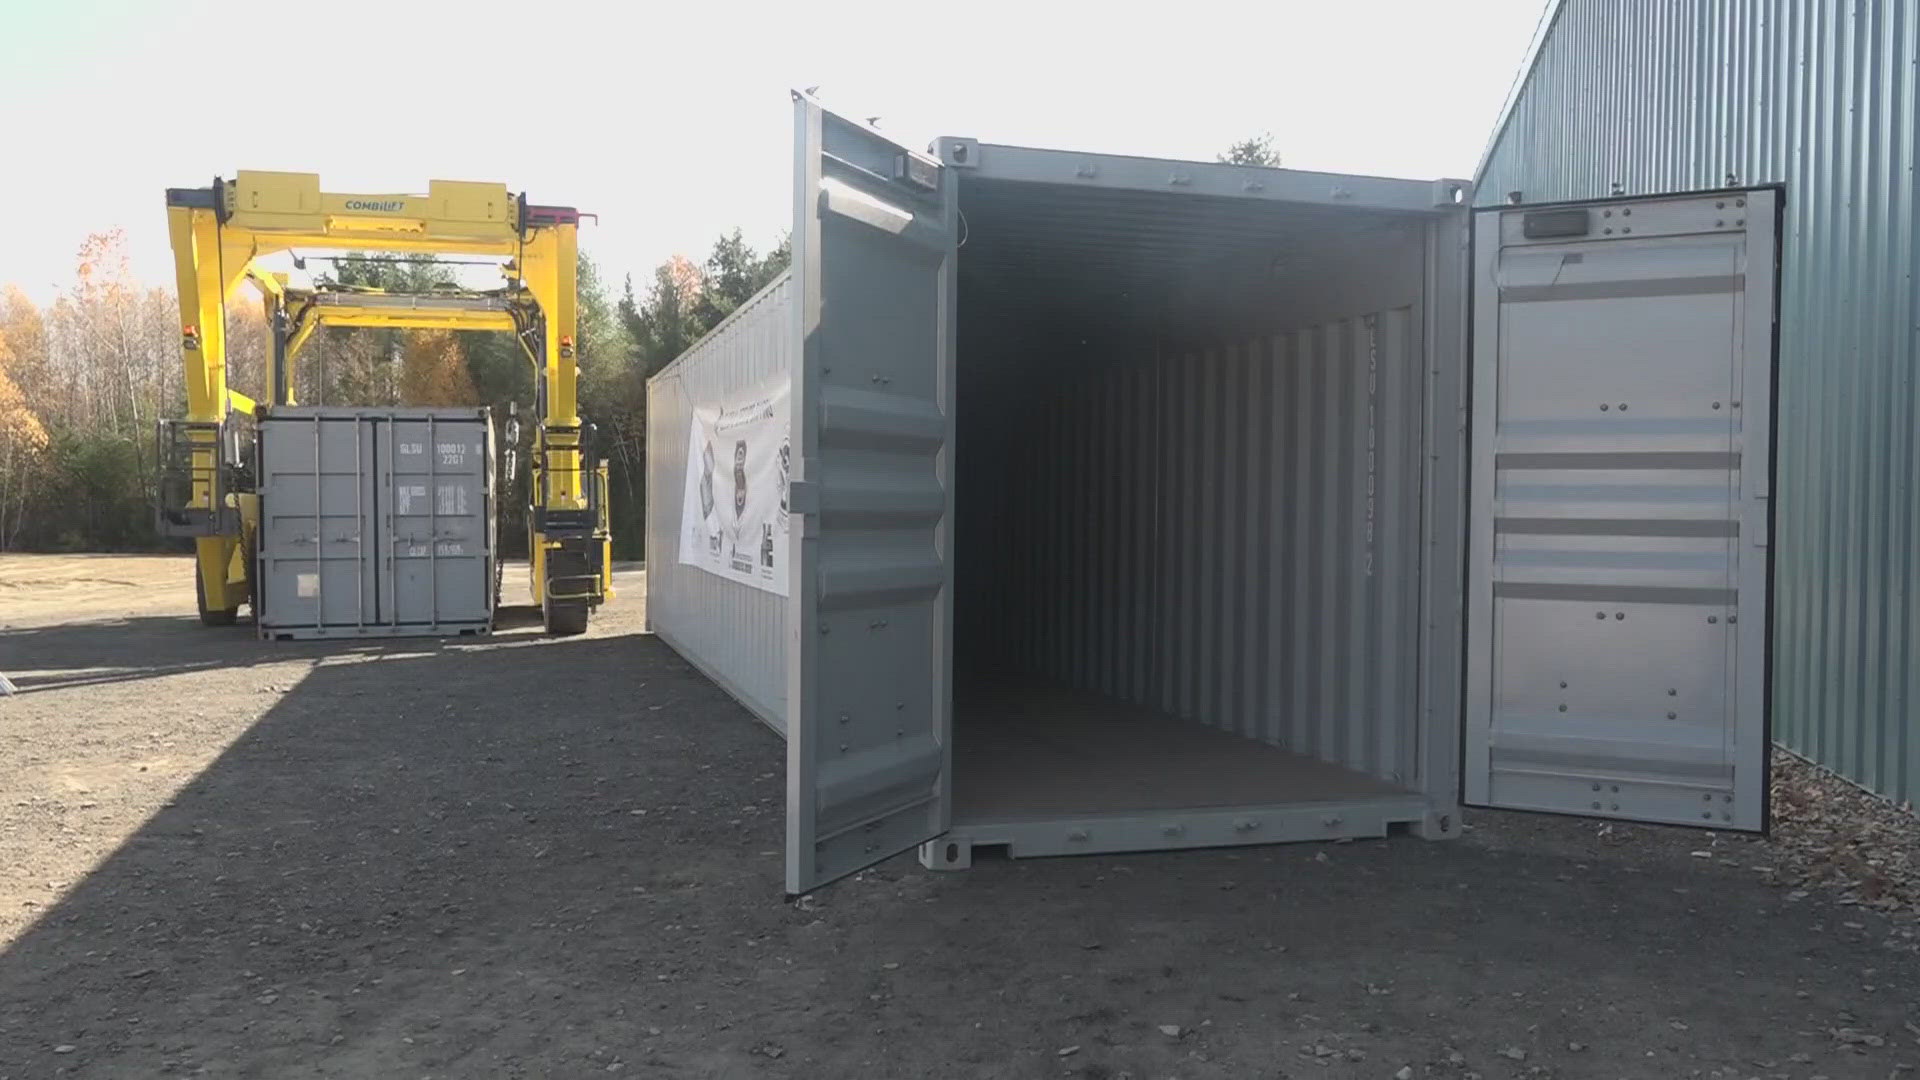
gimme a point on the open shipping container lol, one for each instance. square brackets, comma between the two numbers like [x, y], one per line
[1142, 504]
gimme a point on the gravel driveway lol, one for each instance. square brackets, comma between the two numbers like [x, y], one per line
[558, 858]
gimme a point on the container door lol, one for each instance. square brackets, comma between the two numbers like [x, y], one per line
[434, 504]
[1619, 574]
[315, 572]
[870, 613]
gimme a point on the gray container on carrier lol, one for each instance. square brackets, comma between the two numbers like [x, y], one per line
[375, 522]
[1142, 504]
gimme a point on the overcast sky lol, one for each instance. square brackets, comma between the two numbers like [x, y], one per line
[673, 122]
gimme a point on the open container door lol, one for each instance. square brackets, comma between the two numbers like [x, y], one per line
[1618, 582]
[870, 613]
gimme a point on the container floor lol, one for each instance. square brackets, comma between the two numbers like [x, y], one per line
[1029, 750]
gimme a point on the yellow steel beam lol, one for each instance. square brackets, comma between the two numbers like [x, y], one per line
[548, 269]
[450, 211]
[415, 319]
[272, 284]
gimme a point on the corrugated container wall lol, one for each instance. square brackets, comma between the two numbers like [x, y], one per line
[1186, 577]
[734, 633]
[1647, 96]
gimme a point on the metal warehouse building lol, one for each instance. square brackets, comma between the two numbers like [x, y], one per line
[1642, 97]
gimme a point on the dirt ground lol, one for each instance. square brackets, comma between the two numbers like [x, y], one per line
[559, 858]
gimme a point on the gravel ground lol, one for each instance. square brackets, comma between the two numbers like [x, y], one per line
[559, 858]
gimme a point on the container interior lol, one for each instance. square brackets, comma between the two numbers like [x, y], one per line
[1187, 502]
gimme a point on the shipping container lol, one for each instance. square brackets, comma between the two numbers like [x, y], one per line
[1133, 504]
[375, 523]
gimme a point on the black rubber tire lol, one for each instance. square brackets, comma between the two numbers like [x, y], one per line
[565, 618]
[209, 616]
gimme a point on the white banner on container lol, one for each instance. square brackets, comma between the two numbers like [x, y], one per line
[736, 500]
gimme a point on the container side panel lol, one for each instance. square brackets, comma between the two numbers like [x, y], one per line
[1651, 96]
[733, 632]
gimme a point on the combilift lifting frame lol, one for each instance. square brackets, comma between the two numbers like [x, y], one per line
[219, 233]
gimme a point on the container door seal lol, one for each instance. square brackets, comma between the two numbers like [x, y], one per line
[1619, 570]
[870, 653]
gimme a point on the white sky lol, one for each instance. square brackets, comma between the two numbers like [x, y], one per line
[673, 123]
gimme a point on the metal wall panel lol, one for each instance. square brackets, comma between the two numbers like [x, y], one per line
[734, 633]
[1653, 96]
[1228, 534]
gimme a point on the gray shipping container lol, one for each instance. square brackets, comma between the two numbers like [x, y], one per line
[375, 522]
[1144, 504]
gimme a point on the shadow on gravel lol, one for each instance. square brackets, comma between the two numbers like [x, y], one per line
[383, 829]
[150, 646]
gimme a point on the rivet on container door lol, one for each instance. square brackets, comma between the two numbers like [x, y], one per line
[1619, 615]
[1731, 619]
[1713, 618]
[1076, 834]
[1173, 830]
[845, 719]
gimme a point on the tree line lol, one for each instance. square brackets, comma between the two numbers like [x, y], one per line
[85, 380]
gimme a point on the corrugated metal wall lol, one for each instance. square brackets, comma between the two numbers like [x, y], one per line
[735, 633]
[1674, 95]
[1229, 535]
